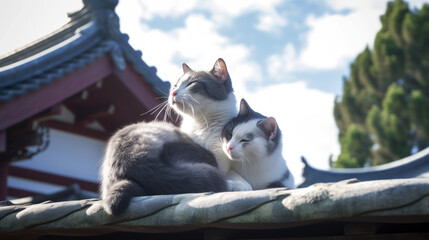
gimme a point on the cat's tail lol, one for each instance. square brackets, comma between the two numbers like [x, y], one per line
[119, 196]
[163, 179]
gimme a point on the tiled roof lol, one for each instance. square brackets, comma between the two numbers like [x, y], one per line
[375, 202]
[91, 32]
[416, 165]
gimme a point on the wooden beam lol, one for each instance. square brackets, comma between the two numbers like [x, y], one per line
[51, 178]
[79, 130]
[54, 93]
[28, 125]
[93, 114]
[137, 86]
[53, 111]
[86, 94]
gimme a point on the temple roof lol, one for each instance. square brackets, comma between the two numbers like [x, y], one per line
[90, 33]
[326, 209]
[416, 165]
[84, 78]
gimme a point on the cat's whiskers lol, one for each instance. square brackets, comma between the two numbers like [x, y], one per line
[192, 97]
[154, 109]
[217, 150]
[242, 162]
[159, 89]
[161, 108]
[157, 115]
[166, 112]
[183, 105]
[177, 118]
[245, 162]
[249, 162]
[205, 119]
[169, 112]
[190, 106]
[192, 109]
[161, 98]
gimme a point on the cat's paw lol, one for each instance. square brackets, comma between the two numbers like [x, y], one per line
[234, 185]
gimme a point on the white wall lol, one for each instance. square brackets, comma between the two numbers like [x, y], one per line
[68, 155]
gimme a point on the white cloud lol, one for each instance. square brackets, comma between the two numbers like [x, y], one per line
[379, 5]
[304, 115]
[198, 43]
[278, 65]
[222, 12]
[354, 5]
[271, 22]
[416, 3]
[239, 7]
[22, 22]
[150, 9]
[335, 39]
[347, 34]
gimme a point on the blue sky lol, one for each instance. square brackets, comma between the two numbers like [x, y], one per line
[286, 57]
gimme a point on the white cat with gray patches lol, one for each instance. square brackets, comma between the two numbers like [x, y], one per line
[155, 158]
[206, 101]
[253, 143]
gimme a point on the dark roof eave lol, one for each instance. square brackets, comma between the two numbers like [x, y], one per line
[97, 26]
[50, 58]
[411, 166]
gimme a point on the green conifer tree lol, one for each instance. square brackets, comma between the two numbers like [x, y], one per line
[383, 113]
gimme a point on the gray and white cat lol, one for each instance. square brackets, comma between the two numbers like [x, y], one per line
[206, 101]
[253, 143]
[155, 158]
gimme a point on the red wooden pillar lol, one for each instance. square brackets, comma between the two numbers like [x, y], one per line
[4, 166]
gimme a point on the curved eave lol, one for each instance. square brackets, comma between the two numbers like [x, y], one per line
[50, 58]
[408, 167]
[35, 82]
[77, 43]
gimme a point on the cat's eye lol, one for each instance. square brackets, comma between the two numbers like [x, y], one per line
[189, 84]
[244, 140]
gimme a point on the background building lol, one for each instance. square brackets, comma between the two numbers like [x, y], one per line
[62, 96]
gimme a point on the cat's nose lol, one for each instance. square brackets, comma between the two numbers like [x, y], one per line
[173, 94]
[229, 148]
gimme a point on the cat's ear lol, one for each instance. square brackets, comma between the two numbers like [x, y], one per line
[244, 108]
[219, 70]
[269, 127]
[186, 68]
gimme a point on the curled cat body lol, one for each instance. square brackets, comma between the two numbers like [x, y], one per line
[253, 144]
[206, 102]
[155, 158]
